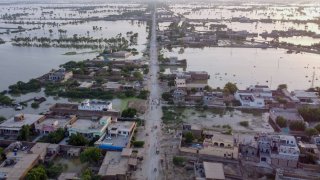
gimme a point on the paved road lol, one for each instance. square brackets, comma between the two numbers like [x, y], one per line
[151, 166]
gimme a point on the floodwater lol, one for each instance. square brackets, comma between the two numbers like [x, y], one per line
[258, 122]
[24, 63]
[248, 66]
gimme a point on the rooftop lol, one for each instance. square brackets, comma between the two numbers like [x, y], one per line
[19, 120]
[113, 164]
[213, 170]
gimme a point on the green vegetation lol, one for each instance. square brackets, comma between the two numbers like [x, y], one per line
[38, 173]
[188, 137]
[22, 88]
[166, 96]
[77, 140]
[282, 86]
[310, 114]
[138, 144]
[53, 171]
[2, 119]
[129, 113]
[230, 88]
[317, 127]
[178, 161]
[24, 133]
[53, 137]
[172, 115]
[70, 53]
[89, 175]
[297, 126]
[35, 105]
[281, 122]
[244, 123]
[143, 94]
[311, 131]
[91, 155]
[5, 100]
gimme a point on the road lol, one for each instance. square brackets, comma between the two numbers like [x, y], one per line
[151, 166]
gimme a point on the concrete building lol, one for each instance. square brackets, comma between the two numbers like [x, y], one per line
[95, 105]
[249, 99]
[90, 128]
[12, 126]
[213, 171]
[59, 75]
[121, 128]
[220, 145]
[248, 147]
[285, 151]
[114, 166]
[305, 97]
[51, 124]
[19, 163]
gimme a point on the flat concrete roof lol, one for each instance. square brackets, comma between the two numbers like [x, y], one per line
[113, 164]
[84, 124]
[127, 125]
[25, 161]
[29, 119]
[213, 170]
[62, 122]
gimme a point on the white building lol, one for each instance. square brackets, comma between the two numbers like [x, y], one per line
[305, 97]
[124, 128]
[59, 75]
[95, 105]
[249, 99]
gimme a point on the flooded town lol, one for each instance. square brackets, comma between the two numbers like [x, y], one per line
[160, 90]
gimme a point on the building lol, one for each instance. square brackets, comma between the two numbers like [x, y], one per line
[306, 97]
[12, 126]
[59, 75]
[90, 128]
[290, 115]
[114, 166]
[64, 109]
[95, 105]
[112, 86]
[284, 151]
[220, 145]
[86, 85]
[213, 171]
[248, 147]
[121, 54]
[121, 128]
[249, 99]
[51, 124]
[18, 163]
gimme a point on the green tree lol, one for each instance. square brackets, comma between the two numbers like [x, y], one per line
[38, 173]
[282, 86]
[230, 88]
[311, 131]
[77, 140]
[91, 155]
[189, 137]
[88, 175]
[129, 113]
[35, 105]
[317, 127]
[297, 126]
[178, 161]
[166, 96]
[138, 75]
[282, 122]
[24, 133]
[244, 123]
[138, 144]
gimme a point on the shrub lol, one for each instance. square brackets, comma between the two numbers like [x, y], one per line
[35, 105]
[244, 123]
[138, 144]
[311, 131]
[297, 126]
[178, 161]
[281, 122]
[189, 137]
